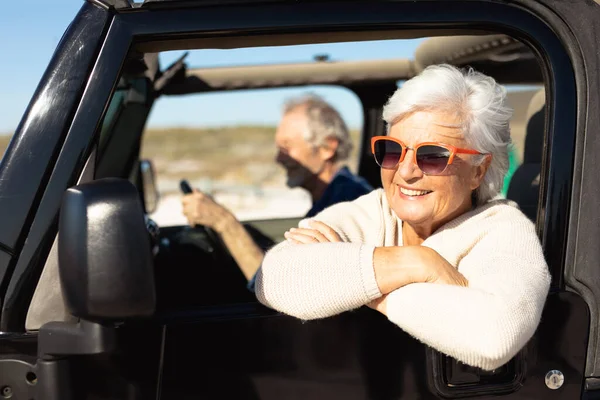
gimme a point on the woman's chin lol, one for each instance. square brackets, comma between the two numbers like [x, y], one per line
[415, 220]
[412, 212]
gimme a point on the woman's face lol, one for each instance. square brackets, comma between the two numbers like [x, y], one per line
[426, 202]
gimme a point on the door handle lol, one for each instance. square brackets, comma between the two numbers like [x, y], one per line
[453, 379]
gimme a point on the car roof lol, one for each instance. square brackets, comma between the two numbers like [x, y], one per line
[504, 58]
[124, 5]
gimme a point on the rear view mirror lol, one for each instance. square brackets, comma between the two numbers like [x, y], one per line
[105, 262]
[151, 195]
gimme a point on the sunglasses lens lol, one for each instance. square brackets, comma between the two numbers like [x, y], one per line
[387, 153]
[432, 159]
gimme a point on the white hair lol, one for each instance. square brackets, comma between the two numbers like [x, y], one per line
[480, 103]
[323, 122]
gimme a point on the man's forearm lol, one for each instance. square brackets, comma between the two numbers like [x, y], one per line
[242, 247]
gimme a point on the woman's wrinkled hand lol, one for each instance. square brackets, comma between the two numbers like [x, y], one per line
[398, 266]
[200, 209]
[438, 270]
[318, 233]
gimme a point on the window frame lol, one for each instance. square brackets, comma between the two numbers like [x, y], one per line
[133, 27]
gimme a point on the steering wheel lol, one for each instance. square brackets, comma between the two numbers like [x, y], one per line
[186, 188]
[213, 244]
[194, 267]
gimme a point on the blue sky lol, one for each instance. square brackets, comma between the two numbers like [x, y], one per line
[30, 31]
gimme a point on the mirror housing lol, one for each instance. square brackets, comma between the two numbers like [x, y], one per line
[105, 264]
[149, 187]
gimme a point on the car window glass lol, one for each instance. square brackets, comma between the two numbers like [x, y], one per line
[519, 98]
[113, 108]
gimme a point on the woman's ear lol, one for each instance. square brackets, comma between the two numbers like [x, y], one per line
[328, 150]
[479, 172]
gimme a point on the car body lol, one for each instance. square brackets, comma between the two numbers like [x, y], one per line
[67, 333]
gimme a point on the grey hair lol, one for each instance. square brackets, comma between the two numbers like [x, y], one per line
[323, 122]
[480, 103]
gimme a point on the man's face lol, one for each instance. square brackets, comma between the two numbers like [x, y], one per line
[300, 159]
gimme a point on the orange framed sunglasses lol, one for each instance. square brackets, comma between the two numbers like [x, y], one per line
[432, 158]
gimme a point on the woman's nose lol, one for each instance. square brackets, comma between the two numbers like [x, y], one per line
[408, 169]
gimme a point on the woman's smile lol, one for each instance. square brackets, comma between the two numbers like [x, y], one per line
[406, 193]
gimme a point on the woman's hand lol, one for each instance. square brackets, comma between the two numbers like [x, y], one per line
[437, 270]
[318, 233]
[201, 209]
[398, 266]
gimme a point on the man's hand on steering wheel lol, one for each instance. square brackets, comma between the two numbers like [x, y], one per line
[200, 209]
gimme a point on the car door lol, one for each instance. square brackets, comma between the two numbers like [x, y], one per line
[249, 351]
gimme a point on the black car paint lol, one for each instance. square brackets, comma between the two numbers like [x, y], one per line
[27, 167]
[77, 146]
[30, 214]
[356, 355]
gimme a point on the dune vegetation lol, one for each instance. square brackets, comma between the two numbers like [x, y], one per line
[4, 140]
[243, 154]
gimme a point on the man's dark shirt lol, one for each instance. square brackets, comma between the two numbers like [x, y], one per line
[345, 186]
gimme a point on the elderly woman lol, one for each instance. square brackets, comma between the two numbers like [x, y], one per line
[436, 250]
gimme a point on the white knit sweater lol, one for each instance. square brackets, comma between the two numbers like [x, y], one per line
[484, 325]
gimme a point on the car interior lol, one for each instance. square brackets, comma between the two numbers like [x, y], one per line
[194, 271]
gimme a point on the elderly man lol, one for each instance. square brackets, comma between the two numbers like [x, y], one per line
[312, 142]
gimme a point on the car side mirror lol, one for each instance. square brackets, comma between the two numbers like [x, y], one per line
[149, 187]
[105, 262]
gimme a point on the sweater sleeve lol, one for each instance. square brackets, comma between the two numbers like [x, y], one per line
[311, 281]
[488, 322]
